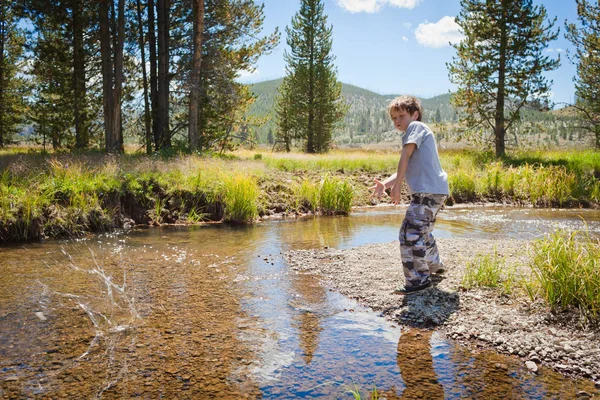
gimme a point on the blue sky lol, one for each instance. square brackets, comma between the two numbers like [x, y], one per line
[400, 46]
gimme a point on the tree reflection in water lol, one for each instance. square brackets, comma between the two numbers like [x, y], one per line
[309, 315]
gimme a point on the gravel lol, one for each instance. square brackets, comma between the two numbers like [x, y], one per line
[477, 317]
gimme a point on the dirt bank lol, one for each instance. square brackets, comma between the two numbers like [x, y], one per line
[480, 318]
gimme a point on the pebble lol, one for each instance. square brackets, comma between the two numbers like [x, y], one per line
[531, 366]
[41, 316]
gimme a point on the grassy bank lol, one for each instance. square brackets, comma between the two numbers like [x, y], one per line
[551, 179]
[58, 195]
[565, 272]
[66, 195]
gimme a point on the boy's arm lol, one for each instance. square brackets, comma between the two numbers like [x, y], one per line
[379, 187]
[389, 182]
[407, 151]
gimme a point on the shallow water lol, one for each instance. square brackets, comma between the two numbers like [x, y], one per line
[214, 312]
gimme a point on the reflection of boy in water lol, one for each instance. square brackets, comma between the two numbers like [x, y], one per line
[416, 366]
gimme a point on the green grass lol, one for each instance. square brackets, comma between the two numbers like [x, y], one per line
[44, 194]
[566, 267]
[357, 394]
[346, 161]
[542, 179]
[335, 195]
[307, 194]
[240, 194]
[565, 273]
[489, 271]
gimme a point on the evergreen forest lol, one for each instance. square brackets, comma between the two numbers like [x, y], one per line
[367, 124]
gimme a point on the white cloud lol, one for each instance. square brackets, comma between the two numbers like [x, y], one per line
[372, 6]
[407, 25]
[405, 38]
[552, 50]
[439, 34]
[410, 4]
[356, 6]
[243, 74]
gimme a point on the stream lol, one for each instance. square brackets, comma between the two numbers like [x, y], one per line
[213, 311]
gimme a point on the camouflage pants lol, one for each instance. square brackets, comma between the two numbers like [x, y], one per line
[420, 257]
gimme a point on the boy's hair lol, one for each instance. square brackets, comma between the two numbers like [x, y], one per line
[410, 104]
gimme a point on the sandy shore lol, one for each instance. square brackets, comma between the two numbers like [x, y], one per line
[481, 318]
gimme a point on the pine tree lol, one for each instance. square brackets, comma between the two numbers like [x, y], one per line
[284, 106]
[52, 110]
[500, 63]
[311, 80]
[59, 68]
[12, 86]
[231, 42]
[586, 38]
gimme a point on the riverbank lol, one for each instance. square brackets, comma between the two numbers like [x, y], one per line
[480, 318]
[65, 195]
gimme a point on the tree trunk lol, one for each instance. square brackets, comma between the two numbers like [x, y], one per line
[2, 73]
[147, 117]
[118, 89]
[198, 15]
[82, 137]
[163, 73]
[310, 142]
[153, 74]
[107, 75]
[112, 73]
[499, 130]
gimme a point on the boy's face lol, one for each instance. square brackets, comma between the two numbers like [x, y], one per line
[402, 119]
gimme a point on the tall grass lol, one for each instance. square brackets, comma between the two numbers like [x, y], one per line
[240, 195]
[307, 194]
[566, 266]
[335, 195]
[489, 271]
[463, 186]
[557, 179]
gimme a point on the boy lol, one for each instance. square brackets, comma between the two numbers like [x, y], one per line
[428, 186]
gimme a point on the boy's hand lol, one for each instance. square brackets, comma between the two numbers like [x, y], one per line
[395, 194]
[378, 189]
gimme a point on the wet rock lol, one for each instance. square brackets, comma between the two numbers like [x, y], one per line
[531, 366]
[41, 316]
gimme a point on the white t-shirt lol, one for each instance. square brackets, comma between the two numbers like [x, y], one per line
[424, 173]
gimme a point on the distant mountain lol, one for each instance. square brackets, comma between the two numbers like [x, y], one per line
[367, 120]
